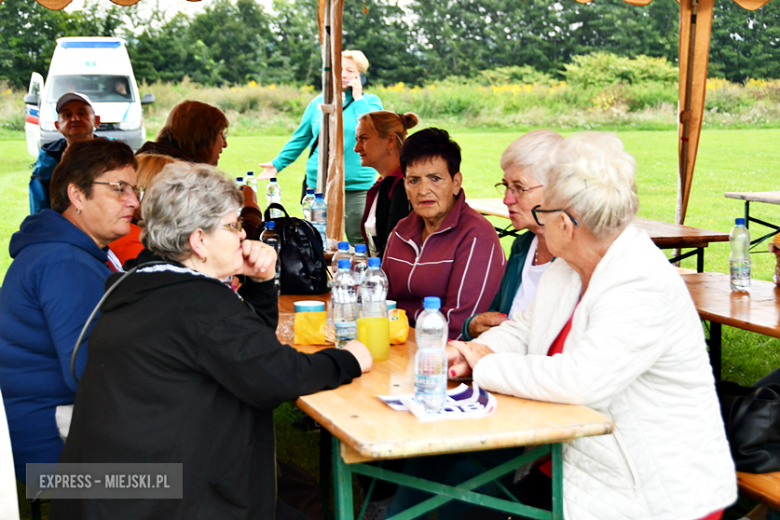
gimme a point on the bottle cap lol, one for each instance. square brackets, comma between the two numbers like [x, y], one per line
[318, 195]
[360, 248]
[309, 191]
[344, 264]
[270, 224]
[374, 262]
[432, 302]
[250, 174]
[273, 179]
[740, 221]
[239, 179]
[343, 246]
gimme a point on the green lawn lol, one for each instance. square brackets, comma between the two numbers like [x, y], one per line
[729, 160]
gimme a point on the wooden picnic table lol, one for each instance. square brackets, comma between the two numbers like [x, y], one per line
[767, 197]
[756, 311]
[365, 429]
[665, 235]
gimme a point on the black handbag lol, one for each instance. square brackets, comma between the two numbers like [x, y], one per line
[752, 419]
[304, 269]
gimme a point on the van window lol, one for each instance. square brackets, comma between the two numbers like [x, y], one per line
[99, 88]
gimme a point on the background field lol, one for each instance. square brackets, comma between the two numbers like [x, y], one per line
[729, 160]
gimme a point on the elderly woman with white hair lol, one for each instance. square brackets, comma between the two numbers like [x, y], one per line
[526, 163]
[183, 370]
[613, 327]
[358, 179]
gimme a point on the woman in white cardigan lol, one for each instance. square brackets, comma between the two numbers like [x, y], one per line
[613, 327]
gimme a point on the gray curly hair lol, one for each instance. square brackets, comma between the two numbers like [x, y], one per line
[185, 197]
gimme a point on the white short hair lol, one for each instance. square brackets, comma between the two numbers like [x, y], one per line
[533, 151]
[185, 197]
[595, 178]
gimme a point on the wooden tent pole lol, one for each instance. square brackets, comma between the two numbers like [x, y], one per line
[685, 116]
[327, 99]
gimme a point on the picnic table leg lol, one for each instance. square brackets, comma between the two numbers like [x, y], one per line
[715, 348]
[342, 484]
[325, 469]
[747, 214]
[700, 260]
[557, 482]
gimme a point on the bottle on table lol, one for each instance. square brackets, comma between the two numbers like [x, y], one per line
[342, 253]
[251, 181]
[271, 237]
[739, 259]
[240, 182]
[344, 301]
[360, 266]
[430, 363]
[319, 218]
[306, 203]
[273, 193]
[373, 291]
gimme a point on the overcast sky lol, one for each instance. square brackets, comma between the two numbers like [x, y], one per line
[173, 6]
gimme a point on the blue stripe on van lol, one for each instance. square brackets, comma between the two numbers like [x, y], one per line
[90, 45]
[127, 111]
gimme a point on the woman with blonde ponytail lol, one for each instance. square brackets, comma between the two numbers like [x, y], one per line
[379, 137]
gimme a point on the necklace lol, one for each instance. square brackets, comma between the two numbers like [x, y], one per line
[536, 257]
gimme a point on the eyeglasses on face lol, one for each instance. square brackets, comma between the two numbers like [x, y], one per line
[224, 134]
[537, 209]
[236, 226]
[123, 190]
[515, 190]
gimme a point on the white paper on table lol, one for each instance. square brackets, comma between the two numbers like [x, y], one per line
[459, 405]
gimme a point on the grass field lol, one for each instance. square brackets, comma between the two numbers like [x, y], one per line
[729, 160]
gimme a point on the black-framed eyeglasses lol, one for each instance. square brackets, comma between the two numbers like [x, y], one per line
[236, 226]
[537, 209]
[515, 190]
[123, 190]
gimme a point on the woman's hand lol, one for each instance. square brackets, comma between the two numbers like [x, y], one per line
[361, 353]
[485, 321]
[269, 170]
[357, 88]
[259, 261]
[467, 357]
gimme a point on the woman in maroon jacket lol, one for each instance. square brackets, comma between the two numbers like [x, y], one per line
[444, 248]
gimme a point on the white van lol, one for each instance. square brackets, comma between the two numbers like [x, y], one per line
[99, 68]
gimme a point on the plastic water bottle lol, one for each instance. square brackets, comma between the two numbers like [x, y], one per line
[251, 181]
[342, 253]
[319, 218]
[359, 267]
[271, 237]
[739, 260]
[373, 291]
[345, 309]
[273, 193]
[306, 203]
[430, 363]
[240, 182]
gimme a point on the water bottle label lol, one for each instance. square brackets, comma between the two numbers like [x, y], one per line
[740, 275]
[346, 330]
[427, 384]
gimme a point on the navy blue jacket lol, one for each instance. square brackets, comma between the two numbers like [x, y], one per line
[49, 157]
[56, 279]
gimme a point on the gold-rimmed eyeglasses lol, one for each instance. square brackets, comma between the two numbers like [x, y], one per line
[236, 226]
[515, 190]
[124, 190]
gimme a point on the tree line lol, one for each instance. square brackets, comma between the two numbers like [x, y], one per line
[237, 41]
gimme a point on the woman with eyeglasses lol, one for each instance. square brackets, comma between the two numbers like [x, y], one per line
[181, 369]
[60, 267]
[612, 327]
[526, 164]
[194, 132]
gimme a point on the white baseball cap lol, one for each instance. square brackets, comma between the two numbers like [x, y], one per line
[73, 96]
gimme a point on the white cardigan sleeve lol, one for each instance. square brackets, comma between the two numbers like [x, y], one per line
[617, 334]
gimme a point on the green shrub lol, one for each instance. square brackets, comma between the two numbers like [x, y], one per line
[601, 69]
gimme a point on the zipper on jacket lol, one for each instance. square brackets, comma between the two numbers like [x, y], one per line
[628, 466]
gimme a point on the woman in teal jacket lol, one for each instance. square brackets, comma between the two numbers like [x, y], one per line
[357, 179]
[525, 163]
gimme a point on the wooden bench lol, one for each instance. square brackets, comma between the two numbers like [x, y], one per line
[764, 488]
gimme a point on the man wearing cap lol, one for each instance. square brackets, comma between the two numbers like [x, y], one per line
[76, 121]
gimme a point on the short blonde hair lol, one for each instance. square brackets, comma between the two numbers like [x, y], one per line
[358, 57]
[533, 151]
[595, 178]
[183, 198]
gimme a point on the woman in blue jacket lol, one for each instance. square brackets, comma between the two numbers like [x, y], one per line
[55, 280]
[357, 179]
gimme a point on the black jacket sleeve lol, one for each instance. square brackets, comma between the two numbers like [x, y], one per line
[263, 299]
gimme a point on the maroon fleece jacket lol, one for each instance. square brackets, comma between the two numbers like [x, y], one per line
[462, 263]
